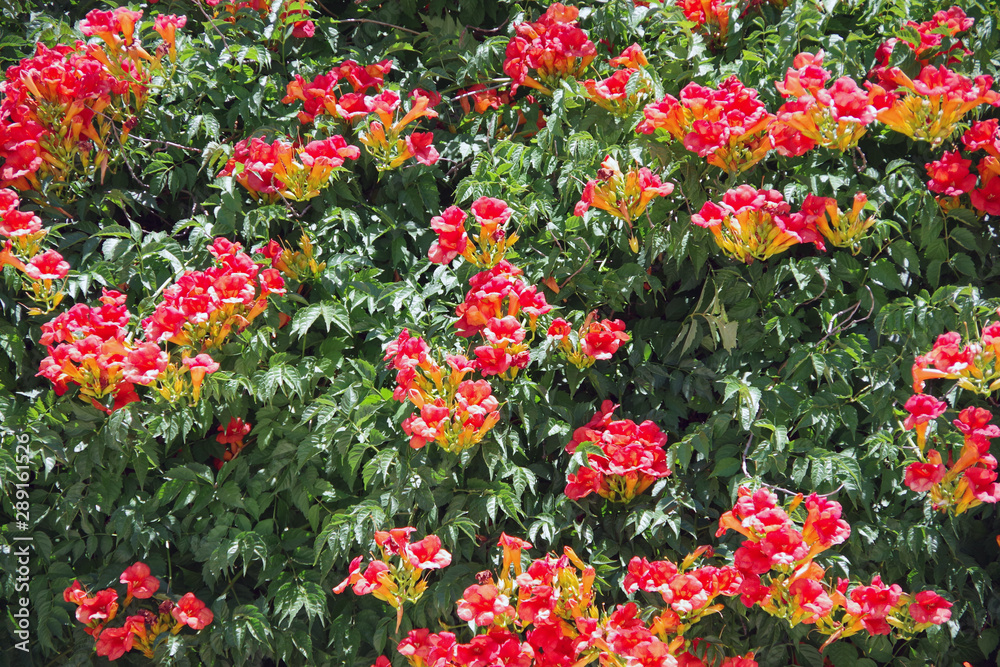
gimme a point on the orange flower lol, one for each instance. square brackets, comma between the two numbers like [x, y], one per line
[166, 26]
[623, 195]
[191, 612]
[842, 230]
[754, 224]
[935, 102]
[729, 126]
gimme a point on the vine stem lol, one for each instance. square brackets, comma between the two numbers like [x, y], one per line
[387, 25]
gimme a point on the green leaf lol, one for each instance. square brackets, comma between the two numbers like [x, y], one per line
[726, 467]
[249, 621]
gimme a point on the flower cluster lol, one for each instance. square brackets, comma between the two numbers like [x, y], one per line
[88, 347]
[324, 93]
[22, 248]
[842, 229]
[123, 56]
[835, 117]
[552, 48]
[384, 138]
[61, 107]
[453, 412]
[711, 17]
[232, 434]
[751, 224]
[497, 293]
[632, 457]
[620, 93]
[299, 265]
[688, 593]
[974, 365]
[294, 14]
[140, 630]
[959, 482]
[945, 23]
[729, 126]
[623, 195]
[203, 307]
[493, 306]
[952, 175]
[930, 107]
[964, 481]
[938, 44]
[545, 614]
[487, 247]
[398, 576]
[92, 347]
[504, 351]
[781, 577]
[552, 608]
[287, 169]
[595, 339]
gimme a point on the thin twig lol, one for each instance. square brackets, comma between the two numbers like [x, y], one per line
[824, 495]
[166, 143]
[826, 284]
[590, 253]
[128, 165]
[832, 331]
[485, 30]
[795, 493]
[746, 452]
[469, 93]
[212, 21]
[458, 165]
[387, 25]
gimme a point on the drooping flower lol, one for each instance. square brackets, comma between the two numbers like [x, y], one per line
[923, 408]
[482, 604]
[418, 144]
[166, 25]
[452, 239]
[551, 48]
[48, 265]
[199, 366]
[728, 126]
[950, 176]
[141, 584]
[99, 609]
[192, 612]
[751, 224]
[113, 643]
[75, 593]
[929, 607]
[427, 554]
[632, 457]
[921, 477]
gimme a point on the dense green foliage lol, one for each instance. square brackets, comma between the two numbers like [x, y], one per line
[790, 372]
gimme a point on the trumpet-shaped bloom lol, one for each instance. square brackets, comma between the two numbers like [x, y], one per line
[751, 224]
